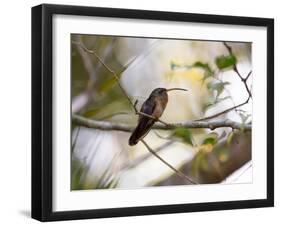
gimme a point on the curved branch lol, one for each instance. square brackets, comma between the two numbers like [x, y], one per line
[144, 157]
[244, 80]
[117, 80]
[235, 69]
[180, 174]
[106, 125]
[224, 111]
[109, 69]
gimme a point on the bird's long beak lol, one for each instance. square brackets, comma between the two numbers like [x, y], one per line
[176, 89]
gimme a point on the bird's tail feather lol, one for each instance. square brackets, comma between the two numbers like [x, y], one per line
[141, 130]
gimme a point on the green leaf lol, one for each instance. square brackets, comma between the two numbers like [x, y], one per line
[218, 87]
[208, 71]
[223, 62]
[211, 138]
[184, 134]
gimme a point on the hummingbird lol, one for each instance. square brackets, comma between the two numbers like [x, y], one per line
[153, 106]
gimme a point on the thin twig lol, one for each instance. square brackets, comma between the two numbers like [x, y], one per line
[103, 125]
[87, 62]
[110, 70]
[224, 111]
[248, 75]
[136, 111]
[244, 80]
[180, 174]
[144, 157]
[135, 104]
[118, 82]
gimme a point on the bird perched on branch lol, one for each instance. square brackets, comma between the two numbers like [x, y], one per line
[153, 106]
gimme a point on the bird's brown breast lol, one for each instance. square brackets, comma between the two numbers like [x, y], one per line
[161, 104]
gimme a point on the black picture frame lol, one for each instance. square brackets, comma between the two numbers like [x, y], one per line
[42, 108]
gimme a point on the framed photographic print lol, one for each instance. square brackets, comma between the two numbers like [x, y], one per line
[146, 112]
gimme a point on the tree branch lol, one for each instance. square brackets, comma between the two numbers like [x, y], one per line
[248, 75]
[145, 156]
[244, 80]
[110, 70]
[180, 174]
[224, 112]
[118, 82]
[106, 125]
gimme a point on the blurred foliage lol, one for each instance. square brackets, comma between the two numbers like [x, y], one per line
[244, 119]
[216, 156]
[184, 134]
[208, 71]
[198, 64]
[200, 161]
[217, 88]
[107, 96]
[214, 85]
[214, 162]
[216, 159]
[211, 138]
[79, 182]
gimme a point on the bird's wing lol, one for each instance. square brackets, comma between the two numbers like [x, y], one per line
[144, 124]
[148, 107]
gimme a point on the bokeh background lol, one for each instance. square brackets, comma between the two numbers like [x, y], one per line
[103, 159]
